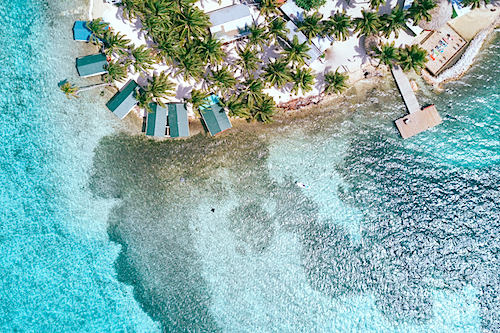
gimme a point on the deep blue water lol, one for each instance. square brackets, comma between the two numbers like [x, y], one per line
[390, 236]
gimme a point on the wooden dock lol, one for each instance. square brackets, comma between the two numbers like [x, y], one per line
[405, 89]
[418, 120]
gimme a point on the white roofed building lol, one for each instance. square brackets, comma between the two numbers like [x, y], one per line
[230, 23]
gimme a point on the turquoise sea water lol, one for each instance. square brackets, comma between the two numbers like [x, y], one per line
[99, 233]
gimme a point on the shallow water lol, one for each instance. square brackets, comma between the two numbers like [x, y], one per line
[56, 261]
[391, 235]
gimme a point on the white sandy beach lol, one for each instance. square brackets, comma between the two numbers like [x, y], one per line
[349, 56]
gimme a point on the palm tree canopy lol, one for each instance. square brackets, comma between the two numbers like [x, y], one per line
[335, 82]
[412, 57]
[386, 54]
[253, 91]
[393, 22]
[69, 89]
[311, 26]
[223, 78]
[276, 73]
[475, 3]
[303, 79]
[340, 25]
[375, 4]
[296, 52]
[98, 28]
[257, 36]
[367, 24]
[277, 29]
[143, 59]
[210, 50]
[191, 22]
[115, 72]
[248, 60]
[264, 110]
[268, 8]
[115, 43]
[197, 98]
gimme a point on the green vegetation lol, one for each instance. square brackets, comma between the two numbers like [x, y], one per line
[180, 36]
[310, 4]
[408, 58]
[69, 89]
[335, 82]
[475, 3]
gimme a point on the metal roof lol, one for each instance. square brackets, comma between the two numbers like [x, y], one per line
[214, 116]
[314, 53]
[156, 122]
[178, 120]
[124, 100]
[94, 64]
[230, 22]
[81, 32]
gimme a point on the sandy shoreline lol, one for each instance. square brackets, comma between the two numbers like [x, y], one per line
[287, 102]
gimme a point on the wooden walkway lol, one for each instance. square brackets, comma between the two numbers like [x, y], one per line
[405, 89]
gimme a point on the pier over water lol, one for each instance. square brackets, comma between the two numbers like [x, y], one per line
[418, 120]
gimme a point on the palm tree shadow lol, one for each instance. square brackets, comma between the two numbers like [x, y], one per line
[182, 92]
[361, 52]
[343, 5]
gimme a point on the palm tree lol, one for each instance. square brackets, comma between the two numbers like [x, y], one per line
[475, 3]
[235, 106]
[257, 36]
[393, 22]
[339, 25]
[268, 8]
[210, 50]
[412, 57]
[264, 110]
[277, 29]
[311, 26]
[115, 43]
[253, 91]
[248, 60]
[190, 66]
[115, 72]
[335, 82]
[191, 22]
[303, 79]
[143, 60]
[386, 54]
[296, 53]
[277, 74]
[98, 28]
[158, 87]
[375, 4]
[367, 24]
[197, 99]
[223, 79]
[130, 8]
[69, 89]
[420, 10]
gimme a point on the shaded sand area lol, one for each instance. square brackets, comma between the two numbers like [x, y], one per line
[216, 236]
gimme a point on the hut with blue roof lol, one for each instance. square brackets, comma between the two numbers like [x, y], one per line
[81, 32]
[91, 65]
[214, 116]
[124, 100]
[171, 121]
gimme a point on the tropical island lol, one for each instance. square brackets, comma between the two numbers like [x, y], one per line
[250, 59]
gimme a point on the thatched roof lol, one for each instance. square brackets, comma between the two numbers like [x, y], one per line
[440, 15]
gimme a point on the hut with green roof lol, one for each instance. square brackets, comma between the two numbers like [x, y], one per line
[171, 121]
[91, 65]
[124, 100]
[178, 123]
[214, 116]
